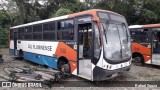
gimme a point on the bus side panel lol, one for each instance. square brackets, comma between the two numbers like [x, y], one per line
[147, 59]
[69, 53]
[41, 52]
[143, 50]
[41, 59]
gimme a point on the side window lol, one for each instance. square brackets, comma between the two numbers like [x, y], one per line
[21, 33]
[28, 33]
[37, 32]
[49, 31]
[67, 24]
[37, 28]
[50, 26]
[97, 45]
[65, 30]
[67, 35]
[140, 36]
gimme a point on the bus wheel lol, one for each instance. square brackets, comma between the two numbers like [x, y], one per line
[65, 68]
[63, 65]
[138, 61]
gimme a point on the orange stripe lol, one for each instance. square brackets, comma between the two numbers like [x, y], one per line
[66, 51]
[141, 49]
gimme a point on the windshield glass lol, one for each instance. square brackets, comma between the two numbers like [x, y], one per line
[112, 43]
[116, 42]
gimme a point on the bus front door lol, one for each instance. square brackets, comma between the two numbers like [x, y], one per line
[15, 43]
[156, 48]
[85, 50]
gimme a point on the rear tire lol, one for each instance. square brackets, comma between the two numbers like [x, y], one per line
[138, 60]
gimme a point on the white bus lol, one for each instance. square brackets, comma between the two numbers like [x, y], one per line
[93, 44]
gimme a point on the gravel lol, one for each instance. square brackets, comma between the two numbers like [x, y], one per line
[137, 73]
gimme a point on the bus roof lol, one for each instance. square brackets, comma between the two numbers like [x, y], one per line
[92, 12]
[145, 26]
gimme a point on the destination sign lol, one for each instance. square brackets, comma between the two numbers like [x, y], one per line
[40, 47]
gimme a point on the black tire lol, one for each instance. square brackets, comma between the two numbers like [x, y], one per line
[65, 68]
[138, 61]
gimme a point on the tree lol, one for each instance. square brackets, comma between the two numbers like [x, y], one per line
[61, 12]
[72, 6]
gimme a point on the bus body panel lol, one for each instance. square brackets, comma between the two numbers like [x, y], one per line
[46, 53]
[141, 49]
[49, 52]
[145, 51]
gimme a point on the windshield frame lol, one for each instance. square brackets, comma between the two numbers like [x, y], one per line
[114, 18]
[105, 40]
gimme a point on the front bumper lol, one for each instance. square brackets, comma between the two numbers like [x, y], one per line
[100, 74]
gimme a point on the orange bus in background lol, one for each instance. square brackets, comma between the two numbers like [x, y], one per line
[145, 43]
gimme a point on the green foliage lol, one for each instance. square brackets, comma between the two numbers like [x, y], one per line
[135, 11]
[4, 22]
[3, 38]
[71, 6]
[148, 16]
[18, 12]
[61, 12]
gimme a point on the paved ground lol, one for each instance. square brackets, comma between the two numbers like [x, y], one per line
[137, 73]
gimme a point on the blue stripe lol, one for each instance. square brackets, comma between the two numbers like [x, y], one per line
[41, 59]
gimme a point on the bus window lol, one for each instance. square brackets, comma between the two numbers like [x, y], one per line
[21, 33]
[37, 28]
[156, 42]
[65, 30]
[141, 37]
[28, 33]
[67, 24]
[48, 35]
[65, 35]
[37, 32]
[117, 42]
[49, 31]
[113, 47]
[28, 29]
[49, 27]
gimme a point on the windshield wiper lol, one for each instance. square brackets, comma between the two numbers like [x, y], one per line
[105, 31]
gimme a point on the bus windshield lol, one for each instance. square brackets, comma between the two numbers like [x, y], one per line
[117, 42]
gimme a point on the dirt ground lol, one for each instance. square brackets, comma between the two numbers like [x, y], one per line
[137, 73]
